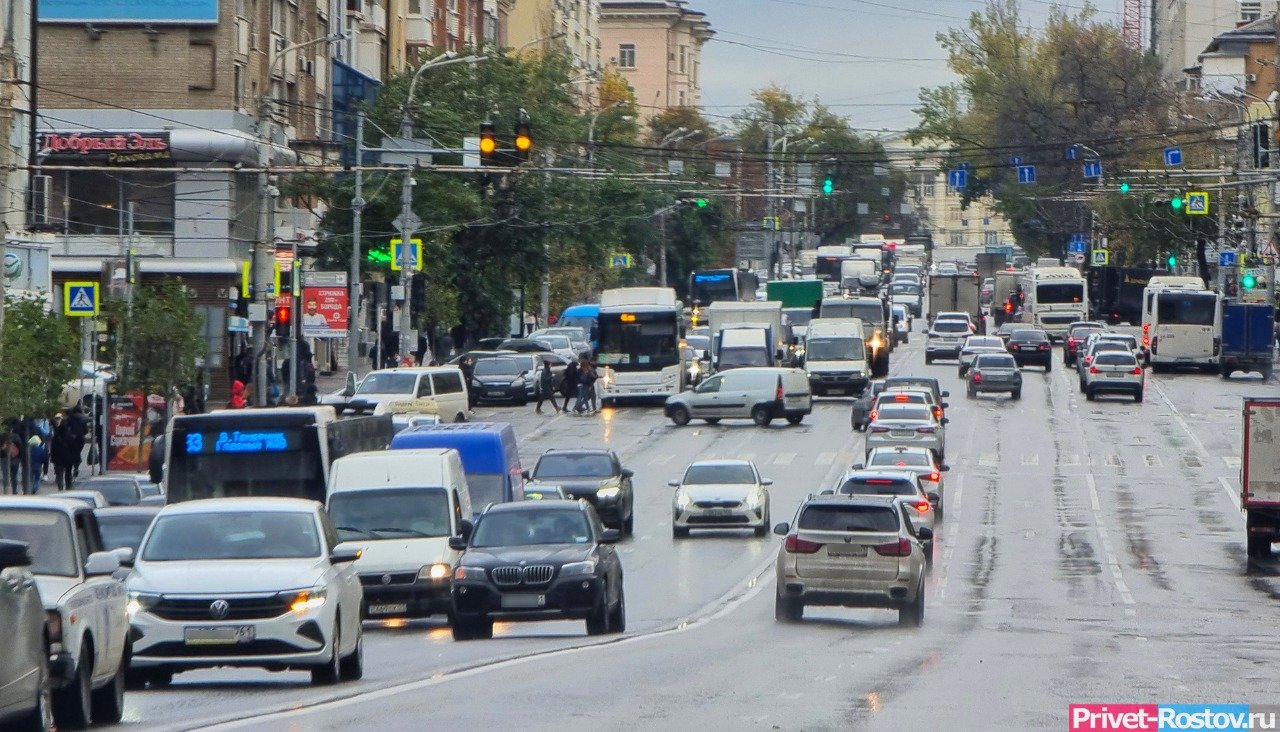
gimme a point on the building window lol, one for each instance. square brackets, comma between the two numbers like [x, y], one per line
[957, 238]
[1250, 10]
[991, 238]
[627, 55]
[926, 188]
[203, 60]
[238, 84]
[682, 59]
[415, 7]
[98, 202]
[279, 17]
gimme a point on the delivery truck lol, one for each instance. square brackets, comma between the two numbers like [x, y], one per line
[1260, 475]
[766, 316]
[1248, 338]
[954, 293]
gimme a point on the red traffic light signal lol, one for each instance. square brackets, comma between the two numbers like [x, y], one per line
[284, 316]
[523, 140]
[488, 142]
[886, 217]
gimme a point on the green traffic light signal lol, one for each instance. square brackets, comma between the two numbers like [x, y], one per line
[380, 256]
[1176, 202]
[828, 187]
[1248, 282]
[1173, 261]
[702, 202]
[1124, 186]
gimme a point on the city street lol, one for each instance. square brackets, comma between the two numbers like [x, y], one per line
[1090, 552]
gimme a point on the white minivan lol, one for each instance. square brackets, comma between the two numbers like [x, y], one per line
[442, 384]
[400, 508]
[758, 394]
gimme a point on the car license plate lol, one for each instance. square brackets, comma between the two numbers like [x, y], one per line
[903, 433]
[390, 608]
[846, 551]
[1115, 376]
[718, 512]
[493, 393]
[225, 635]
[523, 602]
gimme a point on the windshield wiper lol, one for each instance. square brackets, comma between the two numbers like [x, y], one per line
[354, 529]
[415, 532]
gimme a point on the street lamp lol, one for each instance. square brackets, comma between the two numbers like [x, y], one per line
[445, 59]
[544, 39]
[591, 129]
[671, 135]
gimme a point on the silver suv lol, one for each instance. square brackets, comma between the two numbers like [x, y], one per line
[1114, 371]
[852, 551]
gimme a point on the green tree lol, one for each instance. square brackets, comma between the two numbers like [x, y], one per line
[161, 339]
[39, 355]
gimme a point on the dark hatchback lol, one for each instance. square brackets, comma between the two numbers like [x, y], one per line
[538, 560]
[595, 476]
[1031, 348]
[1077, 334]
[501, 379]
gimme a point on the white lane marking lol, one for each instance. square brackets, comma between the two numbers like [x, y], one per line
[1232, 461]
[1153, 461]
[825, 458]
[1031, 459]
[1095, 506]
[959, 494]
[661, 459]
[1070, 461]
[1114, 461]
[988, 459]
[784, 458]
[1177, 415]
[1232, 495]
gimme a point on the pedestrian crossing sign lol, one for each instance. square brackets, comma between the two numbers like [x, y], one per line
[406, 257]
[1197, 203]
[1101, 257]
[80, 299]
[620, 261]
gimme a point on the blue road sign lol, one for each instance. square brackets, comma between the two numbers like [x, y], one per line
[1227, 258]
[1072, 153]
[957, 178]
[1078, 237]
[1173, 156]
[80, 299]
[1092, 169]
[1076, 247]
[1026, 174]
[1015, 161]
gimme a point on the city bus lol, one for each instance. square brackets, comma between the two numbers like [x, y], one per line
[714, 285]
[1181, 322]
[583, 316]
[284, 452]
[639, 355]
[1054, 298]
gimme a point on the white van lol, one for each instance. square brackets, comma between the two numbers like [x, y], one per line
[835, 356]
[443, 385]
[400, 508]
[758, 394]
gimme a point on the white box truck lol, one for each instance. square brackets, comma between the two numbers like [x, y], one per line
[1260, 475]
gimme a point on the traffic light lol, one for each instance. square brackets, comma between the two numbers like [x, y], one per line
[1176, 202]
[284, 317]
[417, 294]
[524, 140]
[379, 256]
[828, 186]
[488, 143]
[1248, 282]
[1172, 261]
[886, 217]
[1124, 187]
[700, 202]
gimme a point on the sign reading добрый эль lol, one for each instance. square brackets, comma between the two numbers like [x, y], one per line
[129, 11]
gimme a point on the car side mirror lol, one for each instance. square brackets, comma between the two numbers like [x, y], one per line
[946, 394]
[525, 474]
[465, 528]
[859, 466]
[782, 529]
[925, 533]
[779, 354]
[934, 497]
[945, 420]
[14, 554]
[101, 563]
[457, 543]
[610, 536]
[706, 356]
[673, 483]
[345, 555]
[766, 481]
[946, 405]
[944, 468]
[628, 473]
[125, 554]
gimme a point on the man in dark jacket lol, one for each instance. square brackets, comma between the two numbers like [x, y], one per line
[64, 451]
[569, 386]
[546, 387]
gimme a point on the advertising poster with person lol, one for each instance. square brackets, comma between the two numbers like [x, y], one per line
[324, 312]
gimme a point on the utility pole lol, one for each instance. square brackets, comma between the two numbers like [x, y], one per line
[8, 77]
[357, 221]
[770, 206]
[406, 223]
[259, 253]
[1271, 268]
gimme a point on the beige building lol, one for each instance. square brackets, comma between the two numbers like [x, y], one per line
[572, 24]
[1182, 29]
[657, 46]
[937, 205]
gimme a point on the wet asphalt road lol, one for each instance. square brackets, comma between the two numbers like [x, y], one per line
[1091, 552]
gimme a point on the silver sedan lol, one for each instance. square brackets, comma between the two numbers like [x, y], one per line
[907, 424]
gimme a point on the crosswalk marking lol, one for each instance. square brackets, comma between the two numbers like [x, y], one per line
[826, 458]
[1232, 461]
[1031, 459]
[1153, 461]
[784, 458]
[660, 459]
[1069, 461]
[988, 459]
[1114, 461]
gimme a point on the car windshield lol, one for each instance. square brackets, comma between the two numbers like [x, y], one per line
[951, 326]
[901, 459]
[895, 411]
[497, 367]
[123, 530]
[905, 289]
[702, 343]
[390, 513]
[798, 316]
[878, 519]
[243, 534]
[47, 535]
[984, 342]
[1102, 346]
[929, 385]
[1116, 358]
[1082, 334]
[1029, 336]
[835, 349]
[712, 474]
[556, 342]
[523, 528]
[884, 486]
[1124, 340]
[996, 361]
[117, 492]
[573, 466]
[388, 383]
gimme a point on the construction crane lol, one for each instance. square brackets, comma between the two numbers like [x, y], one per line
[1133, 24]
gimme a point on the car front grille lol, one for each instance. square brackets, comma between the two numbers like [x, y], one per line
[177, 649]
[378, 579]
[717, 504]
[239, 608]
[737, 519]
[534, 574]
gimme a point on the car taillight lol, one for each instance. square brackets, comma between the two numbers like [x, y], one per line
[1137, 371]
[977, 376]
[1088, 360]
[927, 430]
[879, 429]
[899, 548]
[1008, 307]
[796, 545]
[777, 393]
[1014, 347]
[1146, 341]
[935, 476]
[937, 412]
[1155, 342]
[1044, 346]
[1146, 328]
[900, 397]
[1093, 369]
[922, 506]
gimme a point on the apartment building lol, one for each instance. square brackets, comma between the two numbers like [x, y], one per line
[657, 46]
[571, 24]
[1182, 29]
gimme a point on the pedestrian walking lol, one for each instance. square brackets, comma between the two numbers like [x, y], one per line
[586, 384]
[11, 446]
[468, 368]
[592, 393]
[237, 400]
[38, 454]
[546, 387]
[570, 384]
[64, 451]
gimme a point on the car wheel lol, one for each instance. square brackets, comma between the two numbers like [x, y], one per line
[760, 415]
[72, 704]
[1016, 394]
[618, 617]
[788, 609]
[680, 415]
[598, 620]
[1048, 365]
[330, 671]
[912, 616]
[927, 358]
[960, 373]
[108, 702]
[712, 420]
[1088, 394]
[352, 667]
[160, 679]
[1137, 396]
[928, 552]
[40, 718]
[794, 419]
[971, 393]
[629, 525]
[679, 532]
[1259, 547]
[459, 417]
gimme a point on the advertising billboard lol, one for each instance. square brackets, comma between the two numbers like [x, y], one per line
[324, 312]
[183, 12]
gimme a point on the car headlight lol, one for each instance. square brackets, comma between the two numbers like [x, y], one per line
[518, 381]
[468, 573]
[683, 500]
[300, 601]
[140, 601]
[434, 572]
[754, 500]
[609, 492]
[578, 569]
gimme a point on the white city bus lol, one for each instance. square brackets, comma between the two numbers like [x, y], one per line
[1180, 323]
[639, 354]
[1054, 298]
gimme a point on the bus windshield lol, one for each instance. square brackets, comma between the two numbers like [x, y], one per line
[1059, 293]
[827, 268]
[639, 341]
[716, 285]
[868, 312]
[1186, 308]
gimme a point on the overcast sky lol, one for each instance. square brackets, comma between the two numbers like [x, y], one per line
[811, 47]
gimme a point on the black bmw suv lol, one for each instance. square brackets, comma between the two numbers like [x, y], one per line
[537, 560]
[596, 476]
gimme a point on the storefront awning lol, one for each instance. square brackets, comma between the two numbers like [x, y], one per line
[167, 265]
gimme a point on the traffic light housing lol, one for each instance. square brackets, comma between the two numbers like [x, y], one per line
[488, 143]
[886, 217]
[700, 202]
[417, 294]
[284, 319]
[523, 140]
[828, 186]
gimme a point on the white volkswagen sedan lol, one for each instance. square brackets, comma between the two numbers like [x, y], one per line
[245, 582]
